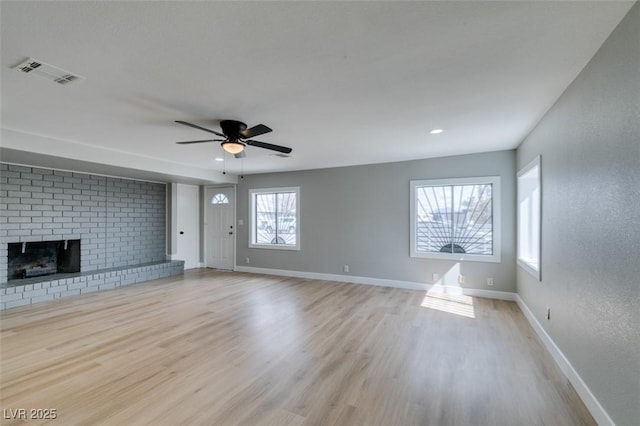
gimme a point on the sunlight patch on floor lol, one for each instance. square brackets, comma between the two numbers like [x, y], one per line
[457, 304]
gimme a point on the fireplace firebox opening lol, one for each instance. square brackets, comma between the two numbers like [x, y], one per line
[38, 258]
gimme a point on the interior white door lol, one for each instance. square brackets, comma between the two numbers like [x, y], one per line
[188, 238]
[220, 227]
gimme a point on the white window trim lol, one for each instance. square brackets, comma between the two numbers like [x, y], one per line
[527, 266]
[496, 219]
[252, 222]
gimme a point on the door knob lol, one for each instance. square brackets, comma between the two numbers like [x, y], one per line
[230, 233]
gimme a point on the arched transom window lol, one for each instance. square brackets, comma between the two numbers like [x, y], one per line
[220, 199]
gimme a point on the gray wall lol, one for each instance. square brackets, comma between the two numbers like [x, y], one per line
[590, 147]
[360, 216]
[121, 222]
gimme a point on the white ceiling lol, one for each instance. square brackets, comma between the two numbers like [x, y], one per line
[341, 83]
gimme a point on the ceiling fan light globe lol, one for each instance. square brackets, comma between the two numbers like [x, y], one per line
[233, 147]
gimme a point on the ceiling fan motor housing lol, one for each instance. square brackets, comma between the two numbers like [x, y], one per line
[232, 128]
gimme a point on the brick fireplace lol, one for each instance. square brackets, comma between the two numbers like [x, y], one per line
[114, 230]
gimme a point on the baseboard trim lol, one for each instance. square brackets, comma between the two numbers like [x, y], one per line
[409, 285]
[593, 405]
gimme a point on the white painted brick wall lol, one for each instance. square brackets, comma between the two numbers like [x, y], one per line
[121, 222]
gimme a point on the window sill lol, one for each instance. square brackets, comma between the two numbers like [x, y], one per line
[458, 257]
[275, 247]
[530, 269]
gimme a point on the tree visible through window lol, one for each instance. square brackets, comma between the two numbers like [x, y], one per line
[274, 216]
[455, 217]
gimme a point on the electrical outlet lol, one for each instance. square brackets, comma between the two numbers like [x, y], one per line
[461, 279]
[548, 313]
[490, 281]
[247, 260]
[435, 277]
[345, 268]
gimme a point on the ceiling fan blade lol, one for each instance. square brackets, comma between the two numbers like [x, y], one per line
[272, 147]
[202, 141]
[195, 126]
[254, 131]
[241, 154]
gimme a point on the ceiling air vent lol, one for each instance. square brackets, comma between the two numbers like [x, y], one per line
[51, 73]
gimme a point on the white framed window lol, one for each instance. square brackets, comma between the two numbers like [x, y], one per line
[457, 219]
[274, 215]
[529, 217]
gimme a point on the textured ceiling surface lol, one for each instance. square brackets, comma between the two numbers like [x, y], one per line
[341, 83]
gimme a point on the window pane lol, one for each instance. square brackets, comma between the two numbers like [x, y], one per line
[275, 218]
[432, 222]
[265, 210]
[529, 217]
[454, 219]
[286, 218]
[220, 199]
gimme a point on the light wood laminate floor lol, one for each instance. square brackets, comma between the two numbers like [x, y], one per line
[221, 348]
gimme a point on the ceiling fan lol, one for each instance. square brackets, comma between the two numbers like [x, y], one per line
[236, 136]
